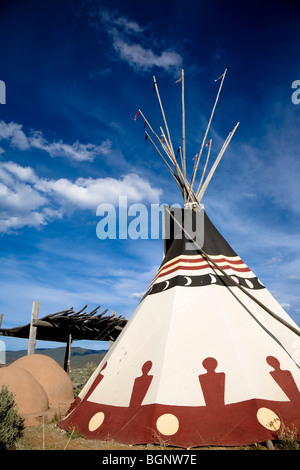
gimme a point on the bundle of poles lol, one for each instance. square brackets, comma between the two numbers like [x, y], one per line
[166, 151]
[191, 196]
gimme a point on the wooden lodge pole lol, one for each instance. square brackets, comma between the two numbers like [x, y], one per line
[205, 135]
[32, 330]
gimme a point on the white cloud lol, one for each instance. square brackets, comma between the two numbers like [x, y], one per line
[19, 199]
[31, 219]
[13, 132]
[88, 193]
[28, 200]
[8, 130]
[110, 19]
[286, 306]
[145, 59]
[128, 25]
[131, 42]
[79, 152]
[21, 172]
[20, 203]
[76, 151]
[137, 295]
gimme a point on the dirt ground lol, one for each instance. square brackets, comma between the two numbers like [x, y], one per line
[51, 437]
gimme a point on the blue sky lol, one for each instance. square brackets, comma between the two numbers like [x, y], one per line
[76, 73]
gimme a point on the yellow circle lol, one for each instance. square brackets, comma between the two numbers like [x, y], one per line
[96, 421]
[268, 419]
[167, 424]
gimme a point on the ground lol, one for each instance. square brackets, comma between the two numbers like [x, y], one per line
[51, 437]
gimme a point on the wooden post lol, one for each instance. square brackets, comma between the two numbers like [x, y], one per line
[2, 351]
[32, 331]
[67, 361]
[270, 445]
[111, 341]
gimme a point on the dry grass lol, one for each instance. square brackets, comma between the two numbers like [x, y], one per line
[51, 437]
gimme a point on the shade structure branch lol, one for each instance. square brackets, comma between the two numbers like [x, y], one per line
[81, 325]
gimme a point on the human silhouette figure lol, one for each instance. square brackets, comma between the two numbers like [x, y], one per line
[141, 386]
[284, 379]
[95, 383]
[212, 384]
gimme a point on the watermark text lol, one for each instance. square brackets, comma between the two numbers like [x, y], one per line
[159, 221]
[296, 94]
[2, 92]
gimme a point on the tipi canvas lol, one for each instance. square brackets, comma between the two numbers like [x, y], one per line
[207, 358]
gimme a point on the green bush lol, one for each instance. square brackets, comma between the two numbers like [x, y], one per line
[288, 438]
[11, 424]
[79, 377]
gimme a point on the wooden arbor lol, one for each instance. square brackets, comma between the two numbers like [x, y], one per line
[67, 326]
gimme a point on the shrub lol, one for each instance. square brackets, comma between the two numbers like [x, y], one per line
[288, 438]
[79, 377]
[11, 424]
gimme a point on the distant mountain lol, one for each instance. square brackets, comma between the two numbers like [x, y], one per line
[80, 357]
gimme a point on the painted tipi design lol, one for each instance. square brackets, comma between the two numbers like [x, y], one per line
[207, 356]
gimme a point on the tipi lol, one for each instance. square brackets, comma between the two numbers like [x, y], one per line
[207, 356]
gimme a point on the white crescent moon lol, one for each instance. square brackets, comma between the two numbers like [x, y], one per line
[168, 282]
[189, 281]
[213, 279]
